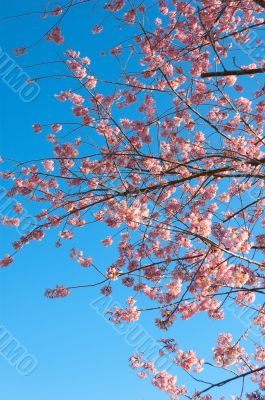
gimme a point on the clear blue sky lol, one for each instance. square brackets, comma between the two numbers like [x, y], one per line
[80, 356]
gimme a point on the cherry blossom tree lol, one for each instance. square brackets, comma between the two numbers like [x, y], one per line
[170, 156]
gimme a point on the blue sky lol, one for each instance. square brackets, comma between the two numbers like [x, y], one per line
[80, 356]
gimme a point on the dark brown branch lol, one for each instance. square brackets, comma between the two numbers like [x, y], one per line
[233, 72]
[222, 383]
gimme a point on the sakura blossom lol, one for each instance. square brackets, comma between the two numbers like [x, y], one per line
[97, 29]
[55, 36]
[20, 51]
[56, 11]
[37, 128]
[162, 153]
[6, 261]
[59, 291]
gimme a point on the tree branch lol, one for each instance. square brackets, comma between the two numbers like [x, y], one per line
[231, 379]
[233, 72]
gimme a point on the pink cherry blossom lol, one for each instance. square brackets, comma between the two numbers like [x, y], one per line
[107, 241]
[56, 11]
[55, 36]
[160, 145]
[37, 128]
[6, 260]
[97, 29]
[59, 291]
[19, 51]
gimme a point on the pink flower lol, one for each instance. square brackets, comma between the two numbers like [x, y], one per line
[51, 138]
[127, 281]
[107, 241]
[18, 208]
[19, 51]
[90, 82]
[129, 17]
[56, 11]
[56, 127]
[66, 234]
[115, 51]
[85, 262]
[48, 165]
[59, 291]
[6, 261]
[55, 36]
[97, 29]
[114, 5]
[106, 290]
[93, 183]
[10, 221]
[113, 273]
[37, 128]
[129, 314]
[37, 234]
[227, 353]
